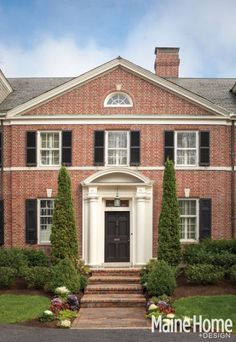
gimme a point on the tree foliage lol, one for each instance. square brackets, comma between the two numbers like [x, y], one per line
[169, 222]
[63, 236]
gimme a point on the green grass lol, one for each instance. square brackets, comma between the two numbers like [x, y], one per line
[20, 308]
[208, 306]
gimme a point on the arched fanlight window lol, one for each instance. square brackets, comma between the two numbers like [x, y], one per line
[118, 99]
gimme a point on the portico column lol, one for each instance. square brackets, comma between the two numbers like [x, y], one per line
[140, 226]
[93, 225]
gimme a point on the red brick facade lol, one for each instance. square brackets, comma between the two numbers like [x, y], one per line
[21, 182]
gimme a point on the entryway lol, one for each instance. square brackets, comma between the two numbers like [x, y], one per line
[117, 236]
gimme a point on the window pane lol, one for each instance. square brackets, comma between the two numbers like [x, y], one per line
[46, 215]
[112, 157]
[117, 139]
[122, 157]
[119, 99]
[50, 148]
[186, 140]
[188, 219]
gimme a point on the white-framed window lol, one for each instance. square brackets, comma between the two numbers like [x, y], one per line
[186, 148]
[118, 99]
[189, 219]
[45, 214]
[117, 148]
[49, 148]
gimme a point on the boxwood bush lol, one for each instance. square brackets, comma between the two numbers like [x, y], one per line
[37, 276]
[204, 274]
[232, 273]
[65, 274]
[7, 276]
[36, 257]
[159, 278]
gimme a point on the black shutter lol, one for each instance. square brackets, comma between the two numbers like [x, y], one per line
[1, 222]
[31, 149]
[99, 148]
[66, 157]
[1, 149]
[31, 221]
[134, 148]
[205, 218]
[169, 148]
[204, 148]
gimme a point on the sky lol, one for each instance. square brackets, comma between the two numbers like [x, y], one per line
[69, 37]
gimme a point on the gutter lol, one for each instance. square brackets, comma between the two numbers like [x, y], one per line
[233, 216]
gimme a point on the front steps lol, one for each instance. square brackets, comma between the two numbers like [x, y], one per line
[114, 287]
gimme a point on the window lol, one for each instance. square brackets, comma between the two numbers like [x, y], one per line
[118, 99]
[50, 147]
[186, 148]
[46, 208]
[188, 219]
[117, 148]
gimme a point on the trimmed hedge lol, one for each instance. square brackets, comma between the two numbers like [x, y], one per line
[159, 278]
[36, 257]
[232, 273]
[204, 274]
[37, 276]
[7, 276]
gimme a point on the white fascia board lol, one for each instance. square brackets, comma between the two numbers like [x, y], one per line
[5, 82]
[166, 84]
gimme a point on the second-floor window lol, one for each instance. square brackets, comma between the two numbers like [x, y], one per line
[117, 148]
[186, 148]
[49, 148]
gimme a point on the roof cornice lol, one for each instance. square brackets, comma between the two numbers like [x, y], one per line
[166, 84]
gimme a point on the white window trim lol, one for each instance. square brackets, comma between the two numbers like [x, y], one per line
[197, 220]
[106, 148]
[39, 148]
[38, 220]
[197, 149]
[119, 105]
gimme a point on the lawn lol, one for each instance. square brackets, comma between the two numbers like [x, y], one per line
[208, 306]
[20, 308]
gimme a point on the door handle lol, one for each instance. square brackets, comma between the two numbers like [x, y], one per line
[116, 239]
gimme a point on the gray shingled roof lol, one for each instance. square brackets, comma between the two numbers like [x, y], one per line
[216, 90]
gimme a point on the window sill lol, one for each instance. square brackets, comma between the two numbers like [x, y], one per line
[188, 242]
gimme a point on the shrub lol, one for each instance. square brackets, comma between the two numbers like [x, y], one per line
[161, 279]
[63, 237]
[13, 257]
[66, 314]
[7, 276]
[218, 246]
[36, 257]
[232, 273]
[64, 274]
[169, 248]
[204, 274]
[145, 271]
[37, 277]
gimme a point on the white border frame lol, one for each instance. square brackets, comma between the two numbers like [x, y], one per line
[197, 220]
[106, 148]
[197, 149]
[39, 149]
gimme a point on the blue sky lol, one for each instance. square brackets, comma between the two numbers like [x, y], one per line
[68, 37]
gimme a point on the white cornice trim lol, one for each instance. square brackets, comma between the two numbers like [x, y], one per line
[101, 168]
[168, 85]
[5, 82]
[119, 119]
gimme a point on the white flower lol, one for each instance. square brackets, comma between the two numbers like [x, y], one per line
[167, 321]
[62, 290]
[152, 307]
[170, 315]
[66, 323]
[48, 312]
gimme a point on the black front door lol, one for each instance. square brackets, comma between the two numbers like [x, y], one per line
[117, 236]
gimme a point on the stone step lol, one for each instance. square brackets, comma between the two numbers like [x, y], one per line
[114, 279]
[112, 300]
[113, 288]
[134, 271]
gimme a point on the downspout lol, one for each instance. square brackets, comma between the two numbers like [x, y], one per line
[233, 217]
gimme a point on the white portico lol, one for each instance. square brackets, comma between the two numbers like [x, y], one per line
[117, 234]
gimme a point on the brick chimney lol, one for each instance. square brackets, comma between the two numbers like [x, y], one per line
[167, 61]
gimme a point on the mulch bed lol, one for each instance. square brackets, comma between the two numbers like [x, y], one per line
[186, 290]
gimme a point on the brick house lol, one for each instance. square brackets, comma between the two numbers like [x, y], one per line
[114, 127]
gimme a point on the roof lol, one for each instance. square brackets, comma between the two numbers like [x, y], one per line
[209, 92]
[216, 90]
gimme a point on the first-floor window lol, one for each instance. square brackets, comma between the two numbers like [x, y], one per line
[46, 208]
[49, 148]
[188, 219]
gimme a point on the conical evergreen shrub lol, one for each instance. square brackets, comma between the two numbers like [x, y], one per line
[169, 248]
